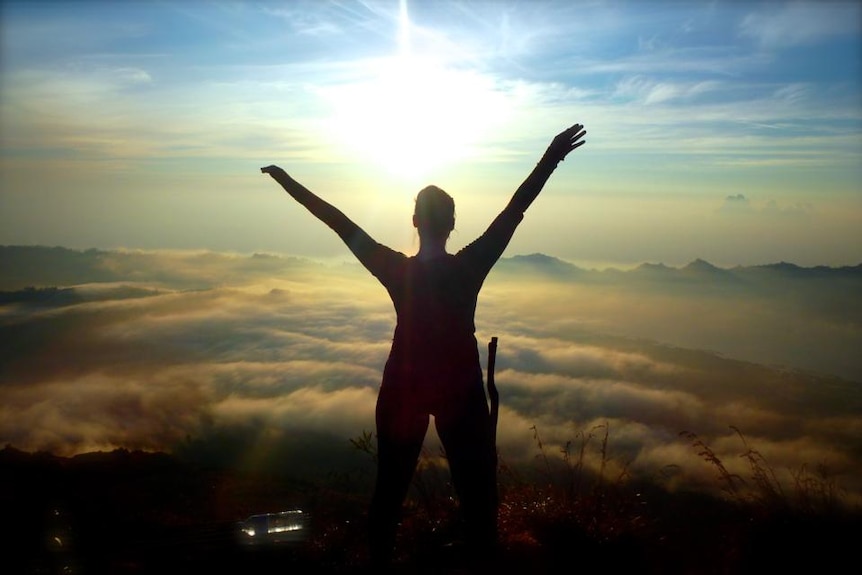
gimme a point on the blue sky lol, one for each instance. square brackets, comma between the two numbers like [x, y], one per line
[730, 131]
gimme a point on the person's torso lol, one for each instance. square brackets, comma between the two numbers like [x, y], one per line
[435, 305]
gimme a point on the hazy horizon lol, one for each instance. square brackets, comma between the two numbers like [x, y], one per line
[346, 258]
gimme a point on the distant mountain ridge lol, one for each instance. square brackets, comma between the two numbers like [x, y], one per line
[40, 266]
[551, 265]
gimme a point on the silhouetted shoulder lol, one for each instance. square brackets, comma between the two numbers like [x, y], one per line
[484, 252]
[384, 263]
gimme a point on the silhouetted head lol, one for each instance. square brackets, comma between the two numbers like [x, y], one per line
[434, 215]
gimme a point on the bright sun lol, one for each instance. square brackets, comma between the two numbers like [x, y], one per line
[411, 114]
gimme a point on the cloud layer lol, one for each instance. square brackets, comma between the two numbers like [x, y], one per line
[268, 360]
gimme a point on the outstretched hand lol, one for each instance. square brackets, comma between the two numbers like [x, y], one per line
[273, 171]
[565, 142]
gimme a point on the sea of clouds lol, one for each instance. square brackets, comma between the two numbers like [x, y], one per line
[275, 361]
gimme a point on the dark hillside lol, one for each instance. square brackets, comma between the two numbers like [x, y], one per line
[133, 512]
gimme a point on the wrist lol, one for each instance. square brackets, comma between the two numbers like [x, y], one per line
[548, 161]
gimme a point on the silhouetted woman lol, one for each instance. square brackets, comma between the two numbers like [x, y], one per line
[433, 367]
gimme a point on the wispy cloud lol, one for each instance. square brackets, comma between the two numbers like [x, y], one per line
[776, 25]
[648, 91]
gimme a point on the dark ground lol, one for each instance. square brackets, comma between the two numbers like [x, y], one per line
[132, 512]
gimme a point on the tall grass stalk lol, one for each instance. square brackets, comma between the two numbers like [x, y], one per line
[811, 492]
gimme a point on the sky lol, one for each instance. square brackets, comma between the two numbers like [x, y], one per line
[728, 131]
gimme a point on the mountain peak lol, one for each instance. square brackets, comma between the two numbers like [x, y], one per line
[646, 266]
[700, 265]
[542, 263]
[783, 267]
[537, 258]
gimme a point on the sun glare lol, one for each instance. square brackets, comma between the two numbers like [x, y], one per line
[411, 113]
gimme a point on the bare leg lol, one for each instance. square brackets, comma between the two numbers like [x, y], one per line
[400, 432]
[466, 435]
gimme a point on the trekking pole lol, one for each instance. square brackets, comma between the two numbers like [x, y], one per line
[492, 389]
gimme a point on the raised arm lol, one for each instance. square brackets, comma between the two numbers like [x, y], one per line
[561, 145]
[490, 245]
[359, 242]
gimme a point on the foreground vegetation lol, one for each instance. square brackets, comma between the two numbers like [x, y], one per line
[135, 512]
